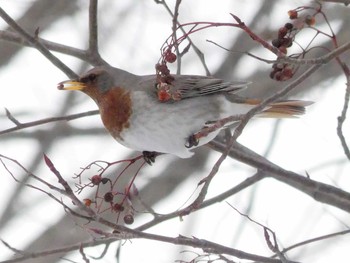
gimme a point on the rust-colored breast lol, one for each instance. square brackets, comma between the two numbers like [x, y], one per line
[115, 109]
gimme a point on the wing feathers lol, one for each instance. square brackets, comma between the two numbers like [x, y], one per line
[194, 86]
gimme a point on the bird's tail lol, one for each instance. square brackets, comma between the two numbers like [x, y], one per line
[282, 109]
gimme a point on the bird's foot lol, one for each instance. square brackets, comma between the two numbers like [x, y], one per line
[149, 157]
[193, 140]
[210, 126]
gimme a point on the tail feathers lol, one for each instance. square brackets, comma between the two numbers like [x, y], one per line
[285, 109]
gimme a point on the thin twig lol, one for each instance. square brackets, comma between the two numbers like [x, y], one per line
[174, 28]
[345, 2]
[132, 234]
[93, 52]
[195, 48]
[273, 246]
[93, 30]
[24, 125]
[35, 43]
[316, 239]
[341, 120]
[12, 118]
[68, 190]
[16, 38]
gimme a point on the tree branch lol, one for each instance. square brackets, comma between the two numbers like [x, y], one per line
[319, 191]
[35, 43]
[20, 126]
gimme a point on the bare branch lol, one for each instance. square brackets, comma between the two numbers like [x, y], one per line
[195, 48]
[36, 43]
[12, 118]
[319, 191]
[345, 2]
[341, 119]
[93, 32]
[21, 126]
[316, 239]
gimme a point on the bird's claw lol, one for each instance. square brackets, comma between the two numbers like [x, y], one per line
[192, 141]
[149, 157]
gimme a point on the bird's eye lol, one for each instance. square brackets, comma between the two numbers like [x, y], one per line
[92, 77]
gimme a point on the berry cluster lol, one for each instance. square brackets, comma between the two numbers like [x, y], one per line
[165, 79]
[106, 197]
[285, 39]
[109, 198]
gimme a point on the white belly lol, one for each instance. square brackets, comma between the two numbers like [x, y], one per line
[166, 127]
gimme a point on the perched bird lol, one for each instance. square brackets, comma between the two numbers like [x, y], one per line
[138, 115]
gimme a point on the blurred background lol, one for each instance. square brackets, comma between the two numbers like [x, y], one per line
[131, 34]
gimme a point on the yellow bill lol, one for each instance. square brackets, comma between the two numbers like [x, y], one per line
[71, 85]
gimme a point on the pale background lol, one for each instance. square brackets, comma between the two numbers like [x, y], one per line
[131, 34]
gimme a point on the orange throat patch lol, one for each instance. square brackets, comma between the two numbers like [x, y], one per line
[115, 110]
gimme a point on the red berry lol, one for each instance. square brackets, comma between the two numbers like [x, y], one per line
[163, 69]
[278, 76]
[293, 14]
[282, 32]
[310, 20]
[163, 95]
[276, 42]
[287, 73]
[170, 57]
[87, 202]
[118, 207]
[96, 179]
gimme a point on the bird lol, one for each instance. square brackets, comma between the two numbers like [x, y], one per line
[162, 115]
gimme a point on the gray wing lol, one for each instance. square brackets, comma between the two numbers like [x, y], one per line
[189, 86]
[194, 86]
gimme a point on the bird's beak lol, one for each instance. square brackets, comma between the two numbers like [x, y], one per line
[71, 85]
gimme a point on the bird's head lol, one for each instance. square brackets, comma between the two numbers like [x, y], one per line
[94, 83]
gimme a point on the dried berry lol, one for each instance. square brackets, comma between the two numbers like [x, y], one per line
[108, 197]
[96, 179]
[118, 207]
[286, 41]
[310, 20]
[293, 14]
[128, 219]
[289, 26]
[87, 202]
[282, 32]
[287, 73]
[276, 43]
[163, 95]
[163, 69]
[170, 57]
[278, 76]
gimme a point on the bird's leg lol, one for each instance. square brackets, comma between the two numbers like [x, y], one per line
[150, 157]
[192, 140]
[210, 126]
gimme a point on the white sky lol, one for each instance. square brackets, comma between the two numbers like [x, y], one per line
[302, 144]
